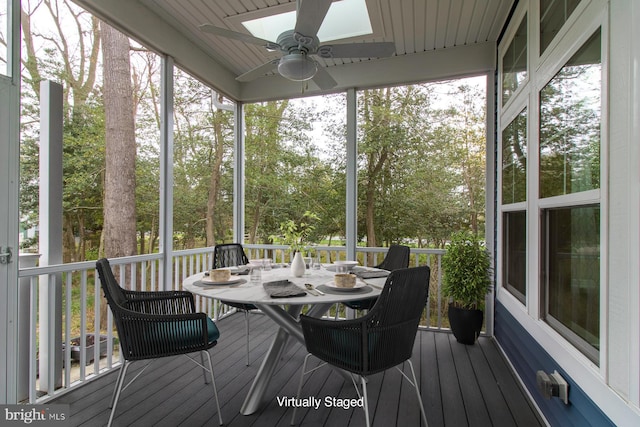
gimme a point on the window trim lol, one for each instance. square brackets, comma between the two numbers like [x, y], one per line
[518, 16]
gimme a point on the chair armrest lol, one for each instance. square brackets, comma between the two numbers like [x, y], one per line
[145, 336]
[161, 302]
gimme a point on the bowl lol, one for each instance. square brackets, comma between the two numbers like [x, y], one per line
[345, 280]
[344, 266]
[220, 274]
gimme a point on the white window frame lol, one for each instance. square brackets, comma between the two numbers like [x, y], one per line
[577, 30]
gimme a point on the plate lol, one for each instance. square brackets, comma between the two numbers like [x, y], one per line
[233, 280]
[359, 285]
[347, 263]
[337, 264]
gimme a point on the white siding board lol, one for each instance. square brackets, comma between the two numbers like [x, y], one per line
[419, 20]
[442, 24]
[465, 25]
[454, 25]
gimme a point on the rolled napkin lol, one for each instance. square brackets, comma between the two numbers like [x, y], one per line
[283, 289]
[372, 274]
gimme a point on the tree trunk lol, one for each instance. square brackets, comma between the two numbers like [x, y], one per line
[214, 183]
[120, 148]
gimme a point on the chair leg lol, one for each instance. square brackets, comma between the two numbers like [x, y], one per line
[415, 384]
[213, 382]
[304, 369]
[204, 367]
[117, 390]
[363, 380]
[246, 322]
[118, 383]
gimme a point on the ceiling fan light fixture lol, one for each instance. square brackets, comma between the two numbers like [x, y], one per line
[297, 67]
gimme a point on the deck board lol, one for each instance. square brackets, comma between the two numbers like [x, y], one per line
[460, 385]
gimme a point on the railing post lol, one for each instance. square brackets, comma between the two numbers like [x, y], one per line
[24, 321]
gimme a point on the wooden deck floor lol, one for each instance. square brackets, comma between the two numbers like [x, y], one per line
[461, 386]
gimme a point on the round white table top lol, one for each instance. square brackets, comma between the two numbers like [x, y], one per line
[248, 292]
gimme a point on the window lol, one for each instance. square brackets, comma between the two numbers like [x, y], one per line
[514, 160]
[572, 274]
[570, 125]
[514, 63]
[515, 253]
[551, 208]
[570, 120]
[553, 14]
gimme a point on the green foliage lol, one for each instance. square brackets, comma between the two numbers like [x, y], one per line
[467, 267]
[296, 234]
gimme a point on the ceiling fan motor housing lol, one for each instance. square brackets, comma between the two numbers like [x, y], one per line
[290, 42]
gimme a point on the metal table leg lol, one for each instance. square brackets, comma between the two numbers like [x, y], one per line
[289, 326]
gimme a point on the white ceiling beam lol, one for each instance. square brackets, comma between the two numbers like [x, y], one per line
[398, 70]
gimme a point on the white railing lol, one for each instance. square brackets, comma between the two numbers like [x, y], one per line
[62, 310]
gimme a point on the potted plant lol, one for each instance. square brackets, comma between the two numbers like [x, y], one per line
[466, 281]
[296, 236]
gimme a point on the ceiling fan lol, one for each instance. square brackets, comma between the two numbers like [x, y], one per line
[300, 43]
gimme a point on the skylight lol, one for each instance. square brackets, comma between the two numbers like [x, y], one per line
[345, 19]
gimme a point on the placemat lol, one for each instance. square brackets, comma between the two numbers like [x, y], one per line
[233, 284]
[372, 274]
[329, 290]
[283, 289]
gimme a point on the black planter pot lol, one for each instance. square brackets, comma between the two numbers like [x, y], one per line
[466, 324]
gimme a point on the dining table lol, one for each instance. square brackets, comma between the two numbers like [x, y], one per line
[281, 296]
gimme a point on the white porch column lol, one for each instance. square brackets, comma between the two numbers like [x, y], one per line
[238, 175]
[50, 235]
[351, 226]
[491, 176]
[166, 173]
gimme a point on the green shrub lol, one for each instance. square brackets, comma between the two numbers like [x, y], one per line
[467, 271]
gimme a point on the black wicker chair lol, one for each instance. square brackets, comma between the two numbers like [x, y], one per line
[378, 341]
[397, 257]
[157, 324]
[232, 255]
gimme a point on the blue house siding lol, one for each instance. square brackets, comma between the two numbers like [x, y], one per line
[528, 357]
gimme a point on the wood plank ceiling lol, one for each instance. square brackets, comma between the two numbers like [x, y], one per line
[417, 27]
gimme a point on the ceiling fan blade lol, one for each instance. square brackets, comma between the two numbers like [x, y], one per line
[258, 71]
[357, 50]
[311, 13]
[323, 79]
[247, 38]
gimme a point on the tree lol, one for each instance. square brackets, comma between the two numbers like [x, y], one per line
[383, 146]
[120, 155]
[68, 54]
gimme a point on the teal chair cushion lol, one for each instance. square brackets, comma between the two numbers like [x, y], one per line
[212, 331]
[189, 335]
